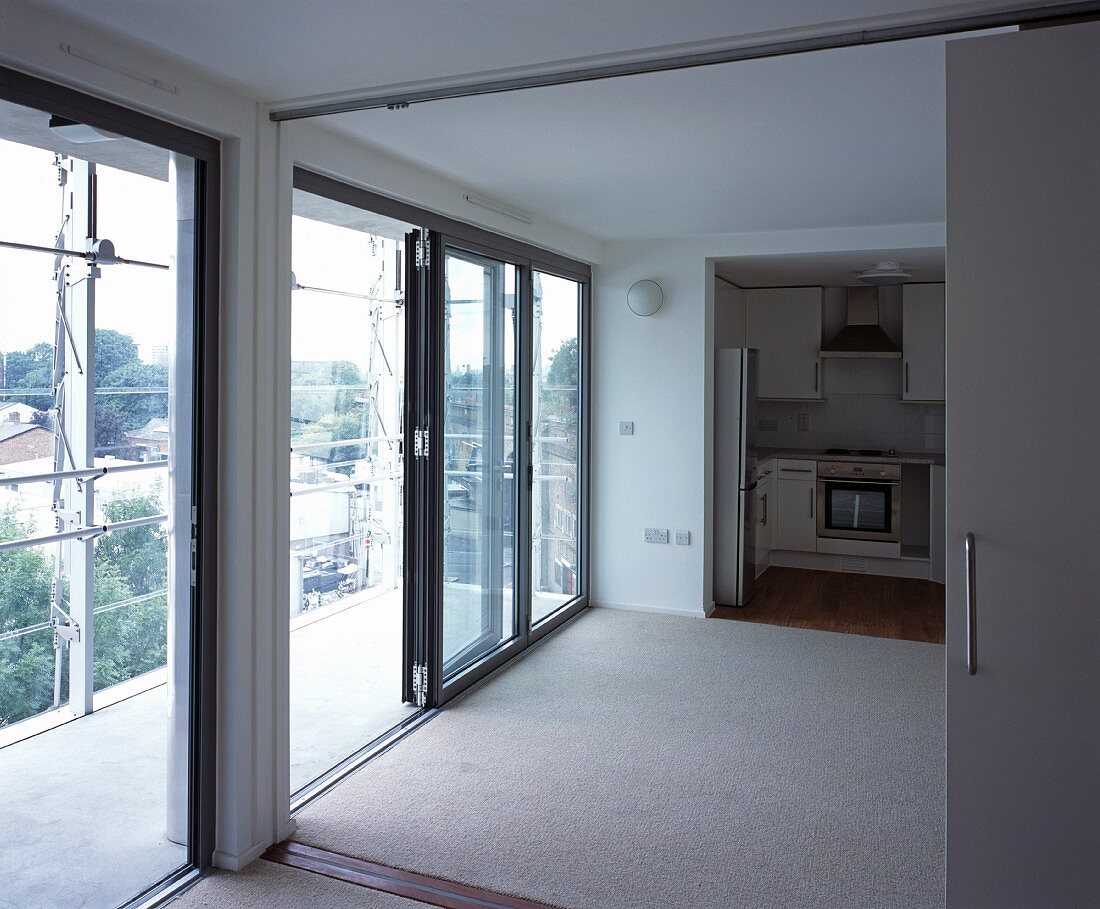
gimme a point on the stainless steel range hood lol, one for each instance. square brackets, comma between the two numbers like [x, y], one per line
[862, 336]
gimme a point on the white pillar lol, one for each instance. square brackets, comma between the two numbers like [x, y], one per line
[181, 174]
[79, 425]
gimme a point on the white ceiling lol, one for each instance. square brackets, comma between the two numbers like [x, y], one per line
[838, 138]
[832, 269]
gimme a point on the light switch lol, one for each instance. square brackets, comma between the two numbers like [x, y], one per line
[626, 428]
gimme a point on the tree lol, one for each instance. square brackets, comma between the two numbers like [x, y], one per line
[110, 431]
[129, 640]
[564, 365]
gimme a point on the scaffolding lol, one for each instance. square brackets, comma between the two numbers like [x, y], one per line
[79, 256]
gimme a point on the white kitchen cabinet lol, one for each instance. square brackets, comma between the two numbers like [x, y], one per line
[784, 324]
[796, 505]
[922, 314]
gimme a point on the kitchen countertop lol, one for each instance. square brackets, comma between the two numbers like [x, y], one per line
[902, 457]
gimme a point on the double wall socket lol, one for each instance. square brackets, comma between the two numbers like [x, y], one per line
[653, 535]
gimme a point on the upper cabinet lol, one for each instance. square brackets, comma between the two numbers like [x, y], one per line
[784, 324]
[922, 364]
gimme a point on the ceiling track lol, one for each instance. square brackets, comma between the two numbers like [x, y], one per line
[1024, 18]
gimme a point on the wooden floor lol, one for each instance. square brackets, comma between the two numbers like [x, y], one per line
[901, 608]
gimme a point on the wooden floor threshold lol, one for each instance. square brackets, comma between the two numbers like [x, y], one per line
[433, 891]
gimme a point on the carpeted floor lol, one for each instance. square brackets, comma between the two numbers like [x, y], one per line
[639, 760]
[263, 885]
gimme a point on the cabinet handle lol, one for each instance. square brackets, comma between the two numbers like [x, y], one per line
[971, 609]
[907, 377]
[811, 503]
[817, 374]
[764, 519]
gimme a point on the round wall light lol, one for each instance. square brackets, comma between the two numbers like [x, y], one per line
[645, 297]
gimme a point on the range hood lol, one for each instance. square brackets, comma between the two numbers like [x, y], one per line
[862, 336]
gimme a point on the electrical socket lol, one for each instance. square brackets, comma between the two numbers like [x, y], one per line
[683, 537]
[803, 422]
[626, 427]
[767, 425]
[654, 535]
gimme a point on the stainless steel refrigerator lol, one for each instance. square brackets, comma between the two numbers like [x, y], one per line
[735, 474]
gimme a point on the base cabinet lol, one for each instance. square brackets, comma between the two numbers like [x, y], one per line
[797, 528]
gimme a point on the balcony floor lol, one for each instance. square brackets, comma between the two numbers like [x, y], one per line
[92, 793]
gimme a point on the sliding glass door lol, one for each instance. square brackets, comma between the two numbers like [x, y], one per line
[478, 457]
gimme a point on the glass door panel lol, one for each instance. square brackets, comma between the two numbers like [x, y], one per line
[555, 443]
[347, 505]
[479, 453]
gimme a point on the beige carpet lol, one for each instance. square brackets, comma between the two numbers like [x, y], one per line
[641, 760]
[263, 885]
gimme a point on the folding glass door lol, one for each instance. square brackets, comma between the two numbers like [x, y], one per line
[480, 504]
[437, 469]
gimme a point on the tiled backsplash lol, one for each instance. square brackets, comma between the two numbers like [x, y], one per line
[853, 421]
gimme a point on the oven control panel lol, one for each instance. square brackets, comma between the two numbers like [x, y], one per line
[847, 470]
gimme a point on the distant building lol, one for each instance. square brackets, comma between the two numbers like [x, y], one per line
[152, 439]
[22, 441]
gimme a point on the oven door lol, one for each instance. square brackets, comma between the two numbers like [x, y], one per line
[859, 510]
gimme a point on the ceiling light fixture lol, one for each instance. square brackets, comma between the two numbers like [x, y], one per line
[81, 133]
[885, 273]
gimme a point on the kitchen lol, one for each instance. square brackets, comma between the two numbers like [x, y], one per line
[829, 437]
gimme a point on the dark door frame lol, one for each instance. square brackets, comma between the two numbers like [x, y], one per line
[49, 97]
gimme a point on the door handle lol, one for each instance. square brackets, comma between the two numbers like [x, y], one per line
[971, 609]
[812, 503]
[764, 518]
[817, 374]
[907, 377]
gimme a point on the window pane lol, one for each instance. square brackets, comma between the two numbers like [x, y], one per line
[479, 458]
[555, 494]
[346, 482]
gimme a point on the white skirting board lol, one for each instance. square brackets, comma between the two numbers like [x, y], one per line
[700, 613]
[820, 561]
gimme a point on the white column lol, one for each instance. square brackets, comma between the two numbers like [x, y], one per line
[181, 174]
[79, 424]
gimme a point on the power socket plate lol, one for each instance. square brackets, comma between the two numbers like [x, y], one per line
[683, 537]
[654, 535]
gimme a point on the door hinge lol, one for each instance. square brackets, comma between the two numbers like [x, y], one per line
[194, 546]
[420, 443]
[423, 251]
[420, 684]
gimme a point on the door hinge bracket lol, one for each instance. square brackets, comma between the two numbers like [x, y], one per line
[420, 684]
[423, 251]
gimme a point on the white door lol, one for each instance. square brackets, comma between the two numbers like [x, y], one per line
[1023, 375]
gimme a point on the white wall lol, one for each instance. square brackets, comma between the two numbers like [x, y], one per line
[253, 633]
[657, 371]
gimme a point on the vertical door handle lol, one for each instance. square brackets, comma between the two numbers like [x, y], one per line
[971, 609]
[764, 519]
[811, 502]
[817, 374]
[907, 377]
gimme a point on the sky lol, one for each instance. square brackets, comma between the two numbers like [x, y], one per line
[137, 213]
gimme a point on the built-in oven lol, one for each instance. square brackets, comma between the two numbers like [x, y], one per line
[858, 501]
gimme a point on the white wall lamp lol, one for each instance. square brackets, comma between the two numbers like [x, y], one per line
[645, 297]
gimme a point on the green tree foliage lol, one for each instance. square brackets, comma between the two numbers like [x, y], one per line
[117, 365]
[129, 640]
[564, 365]
[325, 407]
[560, 386]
